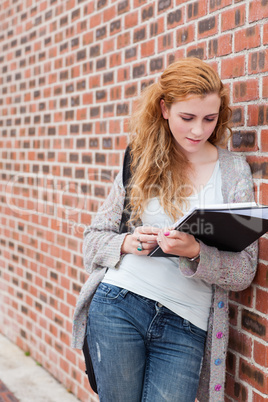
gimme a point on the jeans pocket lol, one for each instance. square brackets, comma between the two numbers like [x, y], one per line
[109, 293]
[197, 332]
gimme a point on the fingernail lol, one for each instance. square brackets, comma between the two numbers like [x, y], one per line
[166, 233]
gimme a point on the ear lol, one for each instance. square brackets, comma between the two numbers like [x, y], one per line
[164, 109]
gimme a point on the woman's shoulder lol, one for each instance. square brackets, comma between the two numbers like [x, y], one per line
[232, 160]
[234, 168]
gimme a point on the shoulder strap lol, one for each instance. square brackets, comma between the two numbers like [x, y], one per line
[126, 178]
[126, 167]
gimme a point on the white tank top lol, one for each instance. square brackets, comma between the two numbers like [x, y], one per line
[159, 278]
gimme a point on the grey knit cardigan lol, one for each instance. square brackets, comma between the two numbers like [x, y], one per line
[225, 271]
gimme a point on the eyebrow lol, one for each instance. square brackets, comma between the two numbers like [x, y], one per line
[193, 115]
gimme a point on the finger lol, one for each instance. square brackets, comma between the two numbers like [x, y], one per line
[150, 230]
[147, 238]
[146, 246]
[174, 234]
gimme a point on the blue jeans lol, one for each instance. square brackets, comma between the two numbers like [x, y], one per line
[141, 351]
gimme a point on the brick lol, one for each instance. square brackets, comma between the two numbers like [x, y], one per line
[247, 38]
[259, 398]
[165, 42]
[156, 64]
[109, 13]
[236, 389]
[115, 59]
[139, 70]
[95, 21]
[131, 54]
[233, 313]
[232, 67]
[115, 27]
[230, 363]
[246, 90]
[174, 18]
[262, 300]
[138, 3]
[257, 115]
[115, 93]
[264, 140]
[254, 324]
[244, 297]
[263, 242]
[197, 9]
[163, 5]
[221, 46]
[265, 34]
[130, 90]
[259, 166]
[258, 10]
[139, 34]
[109, 45]
[218, 4]
[148, 48]
[233, 18]
[261, 277]
[147, 12]
[123, 40]
[197, 51]
[131, 20]
[240, 343]
[123, 74]
[123, 7]
[265, 87]
[243, 141]
[258, 61]
[207, 27]
[185, 35]
[254, 376]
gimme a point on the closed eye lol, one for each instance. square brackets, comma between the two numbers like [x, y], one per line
[186, 118]
[210, 119]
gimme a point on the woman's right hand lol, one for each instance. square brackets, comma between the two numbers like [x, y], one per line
[144, 236]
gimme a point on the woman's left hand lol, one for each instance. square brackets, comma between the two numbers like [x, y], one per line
[178, 243]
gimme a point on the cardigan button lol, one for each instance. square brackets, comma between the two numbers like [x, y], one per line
[219, 335]
[218, 387]
[218, 362]
[221, 304]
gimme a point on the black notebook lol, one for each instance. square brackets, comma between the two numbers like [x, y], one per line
[228, 227]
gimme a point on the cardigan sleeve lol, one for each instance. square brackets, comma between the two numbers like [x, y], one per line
[229, 270]
[102, 241]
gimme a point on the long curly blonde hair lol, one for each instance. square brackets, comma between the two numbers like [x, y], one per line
[158, 168]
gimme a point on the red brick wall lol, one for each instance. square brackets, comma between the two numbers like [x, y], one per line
[69, 72]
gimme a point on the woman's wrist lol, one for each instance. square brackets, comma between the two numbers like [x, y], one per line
[196, 254]
[124, 247]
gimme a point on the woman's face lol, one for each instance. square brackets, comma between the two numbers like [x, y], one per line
[192, 121]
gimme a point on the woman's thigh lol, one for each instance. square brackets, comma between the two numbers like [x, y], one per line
[174, 361]
[116, 346]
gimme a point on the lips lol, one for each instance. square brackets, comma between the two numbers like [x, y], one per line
[192, 141]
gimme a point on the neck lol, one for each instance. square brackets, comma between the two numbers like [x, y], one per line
[208, 154]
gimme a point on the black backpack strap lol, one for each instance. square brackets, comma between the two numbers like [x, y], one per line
[126, 179]
[89, 367]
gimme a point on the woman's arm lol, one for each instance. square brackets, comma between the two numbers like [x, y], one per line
[102, 241]
[103, 244]
[231, 271]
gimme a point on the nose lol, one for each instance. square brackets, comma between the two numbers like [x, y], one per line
[197, 128]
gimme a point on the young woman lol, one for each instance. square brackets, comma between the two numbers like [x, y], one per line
[157, 327]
